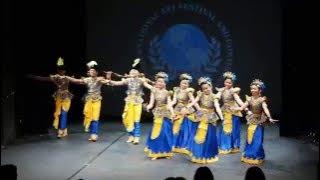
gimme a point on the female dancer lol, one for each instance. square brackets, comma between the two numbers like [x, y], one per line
[160, 140]
[182, 96]
[204, 147]
[257, 114]
[229, 134]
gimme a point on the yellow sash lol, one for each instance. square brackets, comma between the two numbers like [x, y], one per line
[157, 126]
[251, 130]
[202, 130]
[227, 123]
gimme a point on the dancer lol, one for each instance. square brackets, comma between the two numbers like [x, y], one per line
[62, 98]
[132, 111]
[92, 100]
[160, 140]
[183, 125]
[204, 147]
[257, 115]
[229, 134]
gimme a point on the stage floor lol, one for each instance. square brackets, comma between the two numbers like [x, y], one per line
[45, 157]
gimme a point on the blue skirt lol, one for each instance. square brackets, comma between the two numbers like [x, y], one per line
[230, 143]
[162, 145]
[193, 130]
[206, 152]
[181, 140]
[253, 151]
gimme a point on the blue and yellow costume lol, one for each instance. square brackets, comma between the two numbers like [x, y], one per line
[160, 139]
[229, 134]
[204, 147]
[133, 102]
[132, 111]
[62, 98]
[253, 151]
[92, 106]
[183, 125]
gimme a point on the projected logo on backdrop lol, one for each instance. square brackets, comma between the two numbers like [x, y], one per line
[185, 38]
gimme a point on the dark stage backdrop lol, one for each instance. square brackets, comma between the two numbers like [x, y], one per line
[197, 37]
[203, 38]
[40, 32]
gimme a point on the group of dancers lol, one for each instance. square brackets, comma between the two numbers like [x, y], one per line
[182, 123]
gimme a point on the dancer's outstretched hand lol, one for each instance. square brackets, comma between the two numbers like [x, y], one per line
[273, 120]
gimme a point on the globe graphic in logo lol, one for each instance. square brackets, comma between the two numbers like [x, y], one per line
[184, 48]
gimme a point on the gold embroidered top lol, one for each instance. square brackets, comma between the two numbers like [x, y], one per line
[94, 89]
[207, 111]
[255, 106]
[161, 106]
[135, 90]
[228, 100]
[182, 96]
[62, 85]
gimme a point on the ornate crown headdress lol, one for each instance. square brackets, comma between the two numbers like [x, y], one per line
[230, 75]
[185, 76]
[259, 83]
[204, 80]
[162, 75]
